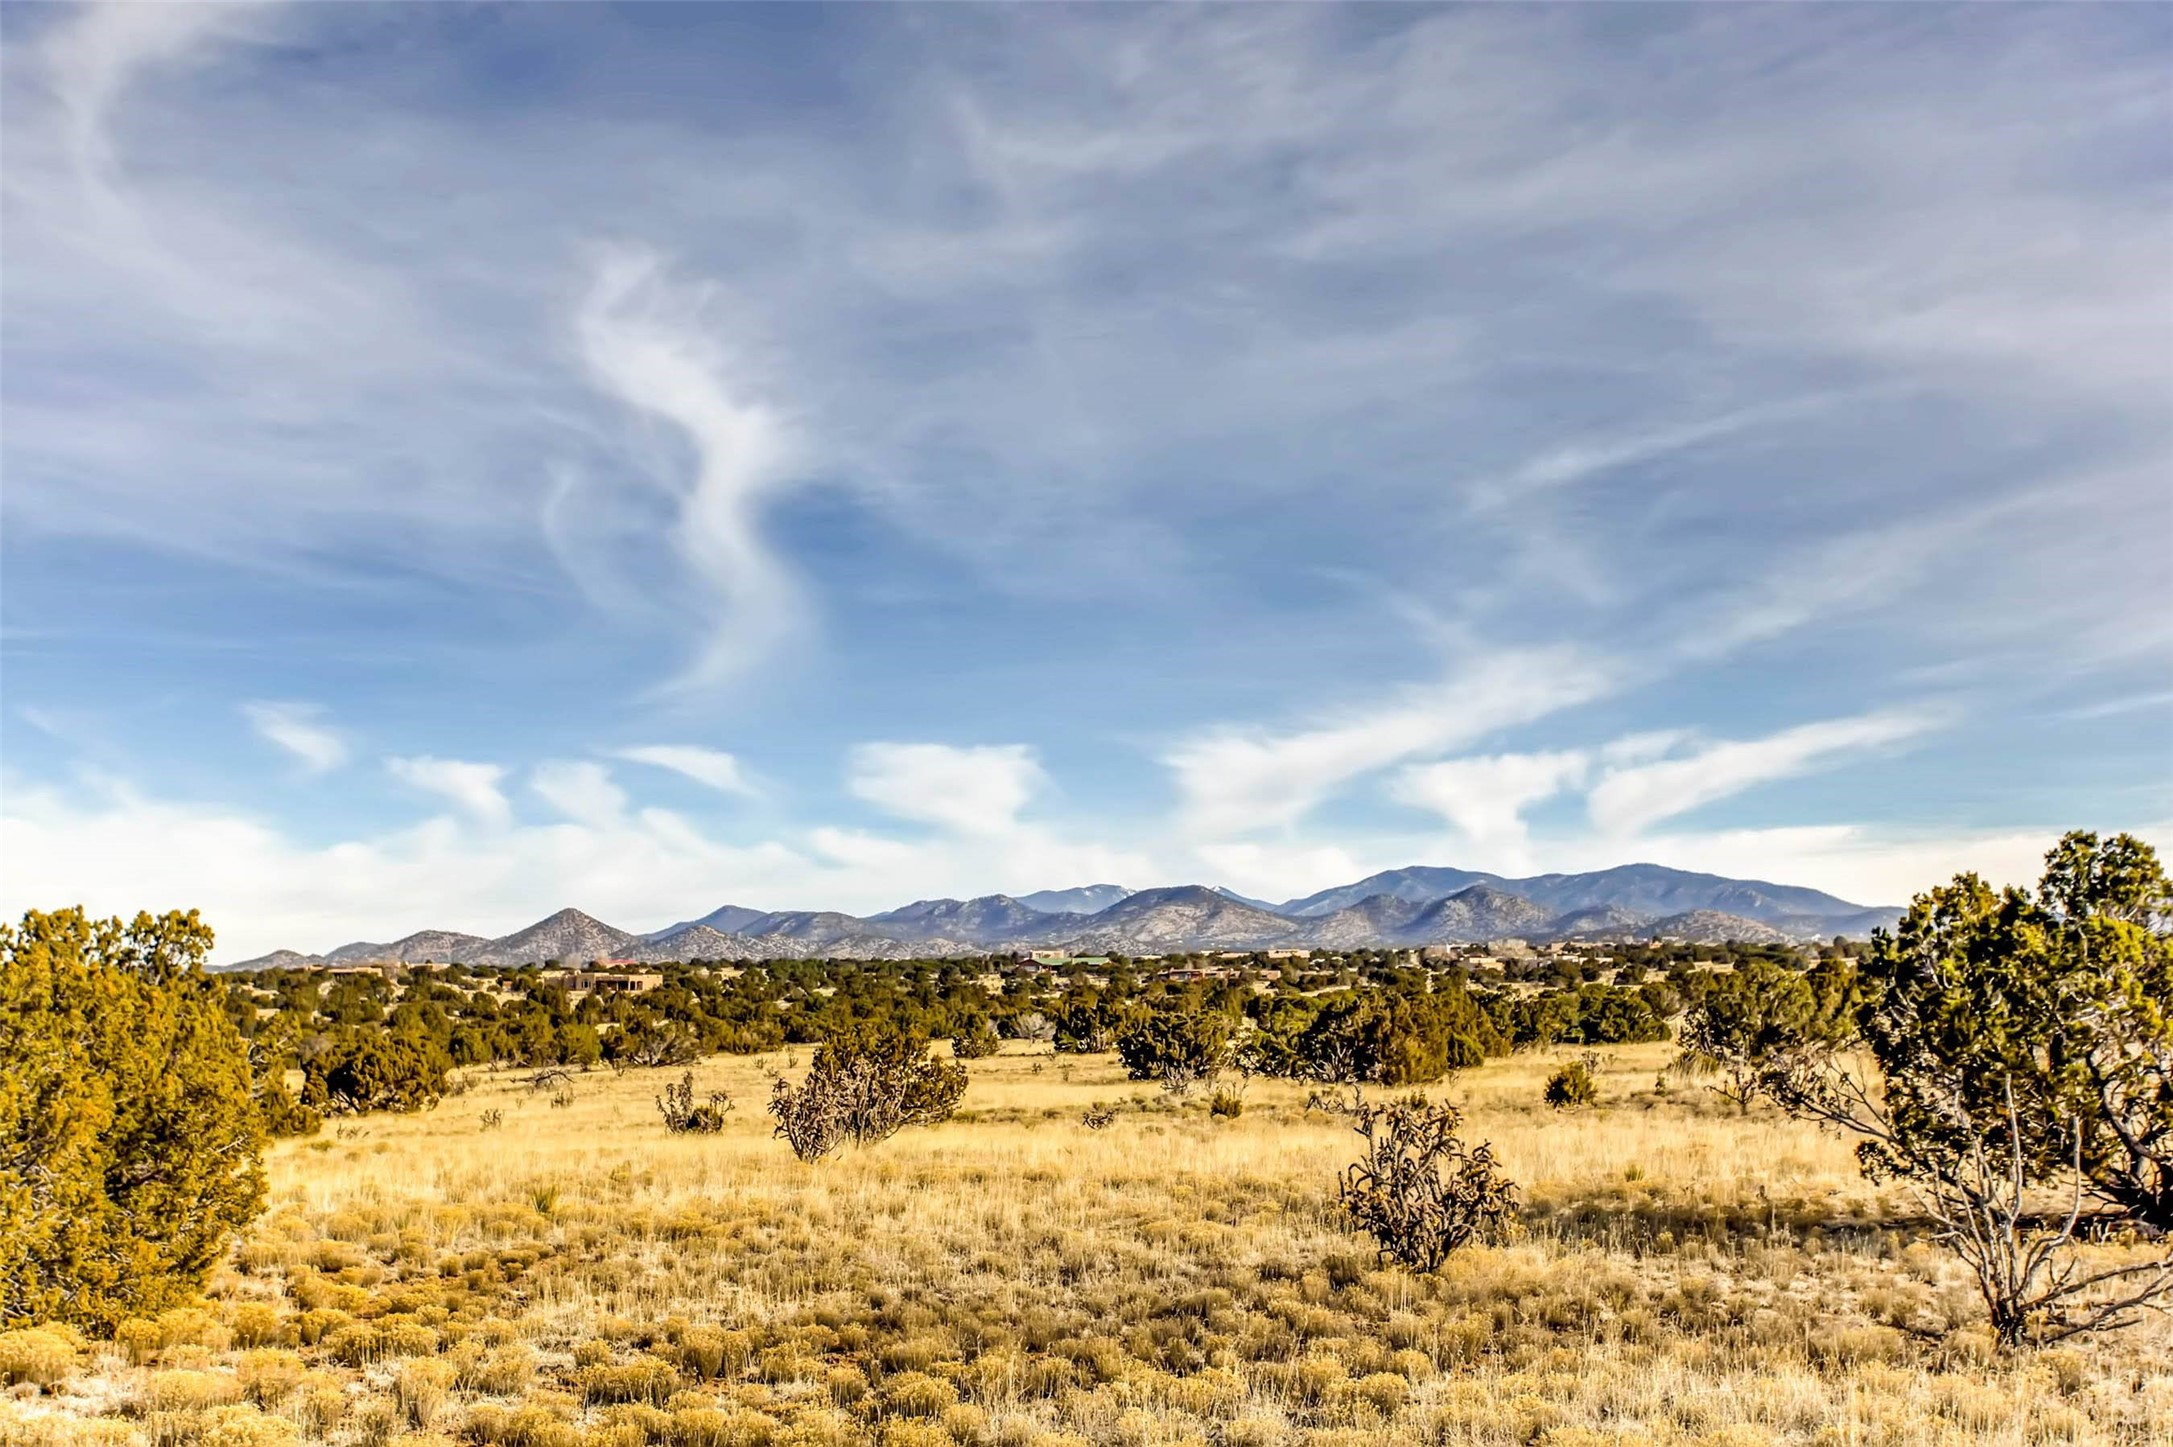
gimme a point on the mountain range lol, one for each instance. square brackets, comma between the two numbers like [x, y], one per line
[1421, 905]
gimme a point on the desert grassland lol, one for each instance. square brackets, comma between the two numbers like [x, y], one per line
[579, 1276]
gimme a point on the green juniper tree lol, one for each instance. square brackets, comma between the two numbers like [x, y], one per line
[2024, 1066]
[130, 1129]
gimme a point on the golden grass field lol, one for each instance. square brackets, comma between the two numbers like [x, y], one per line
[577, 1277]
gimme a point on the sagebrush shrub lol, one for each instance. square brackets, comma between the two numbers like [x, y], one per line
[422, 1388]
[646, 1379]
[245, 1427]
[268, 1374]
[1419, 1190]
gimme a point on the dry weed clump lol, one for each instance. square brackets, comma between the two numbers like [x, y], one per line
[584, 1278]
[269, 1375]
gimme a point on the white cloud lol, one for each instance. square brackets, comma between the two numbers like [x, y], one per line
[641, 342]
[114, 850]
[1642, 748]
[1235, 780]
[294, 727]
[471, 787]
[1276, 871]
[971, 790]
[1485, 797]
[859, 849]
[580, 790]
[1629, 797]
[1868, 864]
[262, 889]
[714, 767]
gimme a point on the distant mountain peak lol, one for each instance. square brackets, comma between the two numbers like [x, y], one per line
[1417, 884]
[1417, 905]
[1081, 899]
[1228, 893]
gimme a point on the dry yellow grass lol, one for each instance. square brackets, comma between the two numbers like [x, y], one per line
[580, 1278]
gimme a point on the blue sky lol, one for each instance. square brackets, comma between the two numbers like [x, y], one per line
[461, 461]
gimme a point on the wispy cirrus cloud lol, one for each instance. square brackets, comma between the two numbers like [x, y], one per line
[1553, 297]
[298, 728]
[473, 788]
[1570, 464]
[712, 767]
[1630, 797]
[94, 61]
[643, 340]
[1236, 780]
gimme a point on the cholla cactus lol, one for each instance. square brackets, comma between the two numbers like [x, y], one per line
[683, 1116]
[1419, 1190]
[865, 1085]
